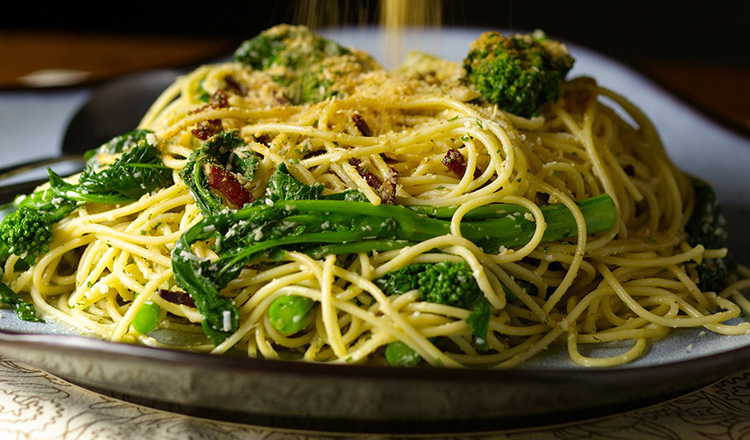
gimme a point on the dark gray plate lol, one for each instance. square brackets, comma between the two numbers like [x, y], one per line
[347, 398]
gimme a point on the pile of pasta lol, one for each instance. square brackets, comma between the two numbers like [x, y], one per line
[632, 284]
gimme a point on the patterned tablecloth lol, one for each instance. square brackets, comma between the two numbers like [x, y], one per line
[37, 405]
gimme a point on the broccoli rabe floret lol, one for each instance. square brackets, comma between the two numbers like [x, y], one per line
[27, 233]
[309, 67]
[442, 283]
[449, 283]
[519, 73]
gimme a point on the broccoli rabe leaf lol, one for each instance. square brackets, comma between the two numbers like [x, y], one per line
[479, 321]
[713, 273]
[137, 172]
[305, 64]
[283, 186]
[261, 52]
[216, 151]
[354, 196]
[294, 47]
[220, 315]
[300, 53]
[705, 223]
[705, 227]
[26, 311]
[245, 163]
[208, 176]
[116, 145]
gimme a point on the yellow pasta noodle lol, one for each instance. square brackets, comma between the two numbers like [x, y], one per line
[630, 284]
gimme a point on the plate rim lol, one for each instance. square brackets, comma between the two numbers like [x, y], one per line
[726, 360]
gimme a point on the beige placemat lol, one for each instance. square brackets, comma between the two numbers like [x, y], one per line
[37, 405]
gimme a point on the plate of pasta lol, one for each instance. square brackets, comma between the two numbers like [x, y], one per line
[489, 235]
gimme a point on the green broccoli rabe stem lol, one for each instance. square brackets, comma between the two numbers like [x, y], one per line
[228, 265]
[396, 226]
[505, 225]
[335, 226]
[599, 213]
[355, 248]
[495, 210]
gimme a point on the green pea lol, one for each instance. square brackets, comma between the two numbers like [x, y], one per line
[289, 313]
[399, 354]
[147, 318]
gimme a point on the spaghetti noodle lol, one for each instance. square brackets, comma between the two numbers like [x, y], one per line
[632, 283]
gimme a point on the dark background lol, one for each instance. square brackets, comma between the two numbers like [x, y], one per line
[698, 49]
[711, 30]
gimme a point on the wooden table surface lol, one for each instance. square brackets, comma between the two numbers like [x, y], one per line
[34, 59]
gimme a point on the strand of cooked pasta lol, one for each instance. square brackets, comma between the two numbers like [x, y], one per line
[629, 285]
